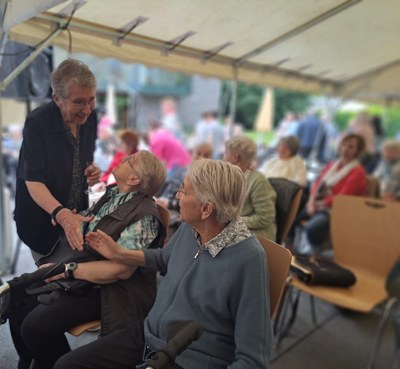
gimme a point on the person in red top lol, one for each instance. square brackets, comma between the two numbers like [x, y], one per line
[129, 143]
[344, 176]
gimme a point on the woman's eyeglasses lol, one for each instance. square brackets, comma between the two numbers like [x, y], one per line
[182, 190]
[81, 103]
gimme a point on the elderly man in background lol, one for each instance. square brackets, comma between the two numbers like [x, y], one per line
[55, 164]
[259, 205]
[215, 274]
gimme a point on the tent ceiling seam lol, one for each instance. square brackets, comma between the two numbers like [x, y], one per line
[299, 29]
[132, 39]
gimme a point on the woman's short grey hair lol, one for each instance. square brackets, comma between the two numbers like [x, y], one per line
[391, 144]
[151, 172]
[219, 183]
[71, 70]
[242, 146]
[292, 143]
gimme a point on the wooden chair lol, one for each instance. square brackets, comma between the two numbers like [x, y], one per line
[288, 197]
[278, 260]
[365, 238]
[373, 187]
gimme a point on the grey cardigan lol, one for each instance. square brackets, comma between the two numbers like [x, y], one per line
[227, 295]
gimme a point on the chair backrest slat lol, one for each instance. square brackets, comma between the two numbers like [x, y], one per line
[366, 233]
[278, 262]
[288, 197]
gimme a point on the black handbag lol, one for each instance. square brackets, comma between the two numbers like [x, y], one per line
[315, 270]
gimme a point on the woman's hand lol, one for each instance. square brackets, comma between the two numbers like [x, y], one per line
[92, 173]
[311, 207]
[320, 205]
[72, 225]
[162, 201]
[103, 244]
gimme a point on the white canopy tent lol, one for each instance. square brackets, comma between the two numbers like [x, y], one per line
[345, 48]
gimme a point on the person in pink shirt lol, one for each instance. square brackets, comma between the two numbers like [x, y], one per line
[167, 148]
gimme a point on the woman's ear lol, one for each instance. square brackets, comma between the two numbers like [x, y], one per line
[133, 180]
[206, 210]
[57, 100]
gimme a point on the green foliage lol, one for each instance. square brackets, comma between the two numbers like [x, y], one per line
[261, 137]
[285, 101]
[343, 118]
[249, 98]
[390, 118]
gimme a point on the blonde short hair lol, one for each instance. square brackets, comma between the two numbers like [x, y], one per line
[151, 172]
[205, 149]
[219, 183]
[244, 147]
[391, 144]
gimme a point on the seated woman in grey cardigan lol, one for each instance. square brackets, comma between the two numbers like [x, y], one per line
[258, 211]
[215, 274]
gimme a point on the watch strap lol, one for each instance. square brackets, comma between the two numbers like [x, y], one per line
[55, 212]
[69, 270]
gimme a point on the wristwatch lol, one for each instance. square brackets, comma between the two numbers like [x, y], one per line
[69, 270]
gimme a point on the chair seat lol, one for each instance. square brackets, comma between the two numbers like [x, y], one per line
[363, 296]
[82, 328]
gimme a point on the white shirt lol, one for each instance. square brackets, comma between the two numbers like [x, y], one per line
[293, 169]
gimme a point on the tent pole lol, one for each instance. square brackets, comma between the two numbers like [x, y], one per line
[3, 237]
[232, 105]
[3, 41]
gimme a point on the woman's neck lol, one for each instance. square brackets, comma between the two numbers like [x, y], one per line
[208, 230]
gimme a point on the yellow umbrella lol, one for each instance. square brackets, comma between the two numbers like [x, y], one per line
[266, 112]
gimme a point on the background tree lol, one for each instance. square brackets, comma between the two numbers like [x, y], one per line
[249, 98]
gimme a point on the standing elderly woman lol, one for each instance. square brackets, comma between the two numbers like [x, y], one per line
[344, 176]
[55, 167]
[215, 274]
[259, 205]
[286, 164]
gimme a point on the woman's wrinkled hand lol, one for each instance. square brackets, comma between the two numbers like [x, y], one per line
[93, 174]
[72, 225]
[103, 244]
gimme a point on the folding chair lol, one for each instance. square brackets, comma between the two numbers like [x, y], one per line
[365, 236]
[288, 197]
[278, 262]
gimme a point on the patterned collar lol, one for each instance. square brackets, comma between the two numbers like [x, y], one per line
[232, 234]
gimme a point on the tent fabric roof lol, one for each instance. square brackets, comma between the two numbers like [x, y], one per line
[347, 48]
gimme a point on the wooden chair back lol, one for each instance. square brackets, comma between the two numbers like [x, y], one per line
[278, 262]
[366, 234]
[373, 187]
[365, 238]
[288, 197]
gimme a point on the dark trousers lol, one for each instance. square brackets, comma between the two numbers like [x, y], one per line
[38, 330]
[317, 227]
[118, 350]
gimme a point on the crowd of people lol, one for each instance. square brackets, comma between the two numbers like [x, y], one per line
[213, 267]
